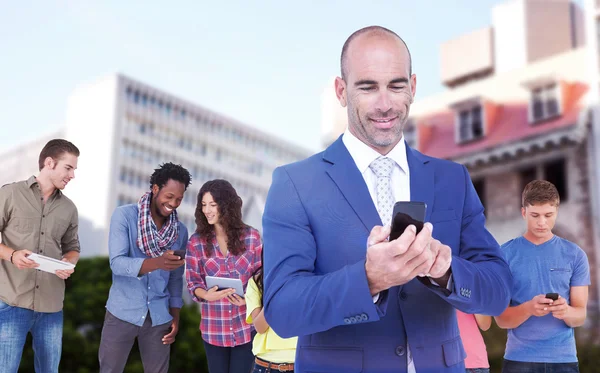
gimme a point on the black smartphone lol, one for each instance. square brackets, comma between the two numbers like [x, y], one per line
[179, 253]
[406, 213]
[553, 296]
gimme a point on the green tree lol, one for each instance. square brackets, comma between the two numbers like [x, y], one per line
[84, 310]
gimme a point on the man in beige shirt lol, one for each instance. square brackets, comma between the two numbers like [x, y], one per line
[35, 217]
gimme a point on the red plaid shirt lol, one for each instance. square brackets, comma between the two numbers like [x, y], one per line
[222, 323]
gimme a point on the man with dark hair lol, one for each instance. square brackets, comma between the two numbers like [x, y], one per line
[36, 217]
[540, 325]
[357, 301]
[55, 148]
[144, 246]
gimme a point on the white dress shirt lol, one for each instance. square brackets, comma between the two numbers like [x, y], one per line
[363, 155]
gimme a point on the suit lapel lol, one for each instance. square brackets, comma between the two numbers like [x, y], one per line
[349, 180]
[421, 179]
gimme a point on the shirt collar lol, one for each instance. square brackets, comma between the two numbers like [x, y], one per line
[33, 181]
[363, 155]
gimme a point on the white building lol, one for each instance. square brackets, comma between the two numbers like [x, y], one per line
[125, 129]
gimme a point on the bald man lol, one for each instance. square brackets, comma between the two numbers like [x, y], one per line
[357, 301]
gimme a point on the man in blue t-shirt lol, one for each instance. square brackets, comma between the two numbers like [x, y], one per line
[540, 330]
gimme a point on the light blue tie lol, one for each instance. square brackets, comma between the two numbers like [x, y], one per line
[382, 168]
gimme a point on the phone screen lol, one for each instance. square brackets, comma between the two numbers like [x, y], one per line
[407, 213]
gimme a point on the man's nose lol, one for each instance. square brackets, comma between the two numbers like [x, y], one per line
[383, 103]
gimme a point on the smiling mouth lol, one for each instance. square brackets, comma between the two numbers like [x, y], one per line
[168, 208]
[383, 120]
[383, 123]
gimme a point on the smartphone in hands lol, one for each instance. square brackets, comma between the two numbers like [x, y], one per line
[553, 296]
[406, 213]
[179, 253]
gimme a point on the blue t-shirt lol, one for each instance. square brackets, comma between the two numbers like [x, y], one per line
[552, 267]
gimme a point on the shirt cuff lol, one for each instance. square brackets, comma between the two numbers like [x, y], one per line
[449, 285]
[193, 293]
[175, 302]
[375, 298]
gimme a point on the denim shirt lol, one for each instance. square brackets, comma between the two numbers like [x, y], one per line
[132, 296]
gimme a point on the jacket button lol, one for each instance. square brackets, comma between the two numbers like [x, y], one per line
[347, 320]
[364, 317]
[353, 320]
[400, 351]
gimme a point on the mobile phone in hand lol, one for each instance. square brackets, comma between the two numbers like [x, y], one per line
[553, 296]
[406, 213]
[179, 253]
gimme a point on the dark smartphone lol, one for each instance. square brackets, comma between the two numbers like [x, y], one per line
[179, 253]
[407, 213]
[553, 296]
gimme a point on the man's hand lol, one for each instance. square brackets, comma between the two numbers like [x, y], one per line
[236, 300]
[168, 261]
[20, 260]
[539, 305]
[398, 262]
[440, 270]
[213, 294]
[64, 273]
[170, 337]
[559, 308]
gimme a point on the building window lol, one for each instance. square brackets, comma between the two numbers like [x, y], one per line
[527, 175]
[129, 93]
[545, 103]
[470, 124]
[480, 189]
[556, 173]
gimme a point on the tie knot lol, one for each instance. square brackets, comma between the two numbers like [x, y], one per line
[382, 166]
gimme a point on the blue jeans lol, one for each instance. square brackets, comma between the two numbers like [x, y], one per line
[46, 330]
[510, 366]
[478, 370]
[237, 359]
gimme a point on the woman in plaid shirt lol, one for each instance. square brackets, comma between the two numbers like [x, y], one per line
[222, 246]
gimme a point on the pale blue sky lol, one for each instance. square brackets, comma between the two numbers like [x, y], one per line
[264, 63]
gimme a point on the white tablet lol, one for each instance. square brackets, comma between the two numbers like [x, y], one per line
[48, 264]
[225, 283]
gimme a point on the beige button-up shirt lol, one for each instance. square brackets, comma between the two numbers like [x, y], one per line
[49, 229]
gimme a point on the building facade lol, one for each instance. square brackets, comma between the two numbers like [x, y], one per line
[519, 106]
[125, 129]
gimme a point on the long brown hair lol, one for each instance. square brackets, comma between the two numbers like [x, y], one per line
[229, 205]
[258, 276]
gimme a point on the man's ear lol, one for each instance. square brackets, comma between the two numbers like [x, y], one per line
[50, 163]
[340, 91]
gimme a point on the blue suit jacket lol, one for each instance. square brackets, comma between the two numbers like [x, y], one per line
[317, 218]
